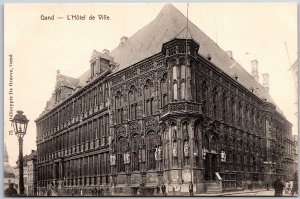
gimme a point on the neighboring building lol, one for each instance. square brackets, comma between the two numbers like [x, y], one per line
[31, 173]
[296, 153]
[161, 108]
[25, 174]
[9, 176]
[29, 170]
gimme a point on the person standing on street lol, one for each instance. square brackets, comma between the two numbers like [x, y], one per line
[11, 191]
[191, 188]
[163, 189]
[278, 186]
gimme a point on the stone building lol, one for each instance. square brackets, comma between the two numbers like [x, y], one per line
[168, 106]
[31, 174]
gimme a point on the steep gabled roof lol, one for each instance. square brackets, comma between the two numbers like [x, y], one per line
[64, 80]
[171, 23]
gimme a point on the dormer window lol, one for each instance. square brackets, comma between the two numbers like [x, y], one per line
[93, 69]
[58, 96]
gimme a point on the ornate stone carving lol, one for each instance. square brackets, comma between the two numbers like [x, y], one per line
[150, 123]
[133, 127]
[119, 130]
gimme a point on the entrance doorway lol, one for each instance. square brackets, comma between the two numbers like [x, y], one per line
[210, 165]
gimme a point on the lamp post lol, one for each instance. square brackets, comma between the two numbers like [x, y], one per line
[20, 123]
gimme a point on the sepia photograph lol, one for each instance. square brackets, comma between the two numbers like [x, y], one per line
[150, 99]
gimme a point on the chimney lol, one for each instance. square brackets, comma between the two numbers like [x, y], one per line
[208, 56]
[105, 51]
[254, 69]
[266, 81]
[123, 40]
[236, 77]
[229, 53]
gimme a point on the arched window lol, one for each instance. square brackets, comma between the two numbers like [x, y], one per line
[132, 100]
[118, 108]
[121, 144]
[204, 97]
[148, 103]
[164, 91]
[213, 144]
[152, 139]
[135, 152]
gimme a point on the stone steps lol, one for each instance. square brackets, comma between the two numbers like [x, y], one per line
[212, 188]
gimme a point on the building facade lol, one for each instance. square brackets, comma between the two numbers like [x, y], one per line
[161, 109]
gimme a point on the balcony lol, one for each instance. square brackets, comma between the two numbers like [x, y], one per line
[182, 107]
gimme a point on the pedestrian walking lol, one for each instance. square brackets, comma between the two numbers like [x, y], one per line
[11, 191]
[157, 189]
[163, 189]
[101, 191]
[278, 186]
[191, 188]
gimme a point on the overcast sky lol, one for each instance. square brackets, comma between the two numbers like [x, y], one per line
[39, 48]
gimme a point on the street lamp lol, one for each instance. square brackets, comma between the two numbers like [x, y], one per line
[20, 123]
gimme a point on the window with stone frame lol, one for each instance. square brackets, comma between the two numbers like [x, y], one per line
[183, 82]
[148, 98]
[224, 106]
[96, 128]
[233, 109]
[214, 102]
[93, 69]
[90, 98]
[121, 143]
[213, 145]
[118, 108]
[246, 116]
[132, 103]
[151, 140]
[205, 144]
[79, 105]
[239, 113]
[164, 90]
[58, 95]
[100, 94]
[185, 130]
[204, 91]
[106, 92]
[135, 141]
[85, 102]
[106, 128]
[95, 96]
[174, 82]
[198, 89]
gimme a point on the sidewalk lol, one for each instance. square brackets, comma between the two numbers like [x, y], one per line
[229, 193]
